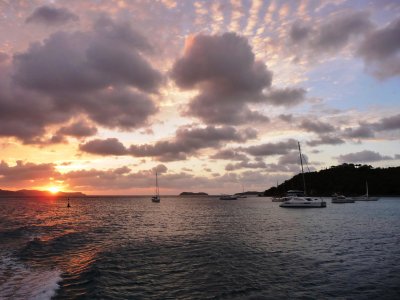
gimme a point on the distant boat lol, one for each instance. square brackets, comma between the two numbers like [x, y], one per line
[228, 197]
[341, 199]
[156, 197]
[302, 201]
[241, 195]
[365, 197]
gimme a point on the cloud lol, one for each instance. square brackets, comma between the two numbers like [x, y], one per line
[78, 129]
[292, 158]
[229, 154]
[188, 141]
[317, 126]
[381, 51]
[246, 165]
[108, 55]
[326, 140]
[224, 70]
[100, 74]
[110, 146]
[286, 97]
[47, 15]
[389, 123]
[332, 34]
[362, 131]
[362, 157]
[271, 148]
[26, 174]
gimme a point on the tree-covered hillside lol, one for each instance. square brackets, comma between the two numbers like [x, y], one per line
[347, 179]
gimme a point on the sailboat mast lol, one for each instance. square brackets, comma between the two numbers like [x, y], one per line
[302, 170]
[156, 184]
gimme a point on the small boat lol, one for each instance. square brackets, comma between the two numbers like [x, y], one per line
[341, 199]
[228, 197]
[365, 197]
[241, 195]
[156, 198]
[300, 200]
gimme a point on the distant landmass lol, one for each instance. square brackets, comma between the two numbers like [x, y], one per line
[346, 179]
[193, 194]
[36, 193]
[249, 193]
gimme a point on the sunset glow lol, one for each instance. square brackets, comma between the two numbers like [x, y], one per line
[211, 94]
[53, 189]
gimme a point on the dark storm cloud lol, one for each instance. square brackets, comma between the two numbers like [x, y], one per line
[78, 129]
[110, 146]
[286, 96]
[326, 140]
[47, 15]
[362, 157]
[271, 148]
[317, 126]
[224, 70]
[101, 74]
[187, 141]
[381, 51]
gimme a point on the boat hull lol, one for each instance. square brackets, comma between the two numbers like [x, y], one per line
[306, 202]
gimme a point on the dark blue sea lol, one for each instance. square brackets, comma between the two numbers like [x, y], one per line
[197, 248]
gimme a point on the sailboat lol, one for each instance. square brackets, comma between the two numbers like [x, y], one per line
[365, 197]
[302, 201]
[242, 195]
[156, 197]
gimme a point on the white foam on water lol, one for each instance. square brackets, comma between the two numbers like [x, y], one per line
[20, 282]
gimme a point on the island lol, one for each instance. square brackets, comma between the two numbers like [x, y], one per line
[188, 194]
[345, 179]
[37, 193]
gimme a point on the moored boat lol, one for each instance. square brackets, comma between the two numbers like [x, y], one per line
[341, 199]
[300, 200]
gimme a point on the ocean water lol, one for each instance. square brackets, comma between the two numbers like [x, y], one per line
[197, 248]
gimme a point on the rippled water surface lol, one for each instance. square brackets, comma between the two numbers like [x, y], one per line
[197, 248]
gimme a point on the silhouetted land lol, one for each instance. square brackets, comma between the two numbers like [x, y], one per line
[193, 194]
[36, 193]
[346, 179]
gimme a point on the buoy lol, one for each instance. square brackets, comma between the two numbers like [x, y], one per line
[68, 205]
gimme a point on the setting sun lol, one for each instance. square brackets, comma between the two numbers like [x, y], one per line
[53, 189]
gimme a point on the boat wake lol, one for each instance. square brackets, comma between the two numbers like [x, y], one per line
[17, 281]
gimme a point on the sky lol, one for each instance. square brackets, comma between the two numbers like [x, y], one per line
[97, 96]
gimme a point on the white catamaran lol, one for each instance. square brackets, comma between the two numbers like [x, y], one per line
[300, 201]
[156, 197]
